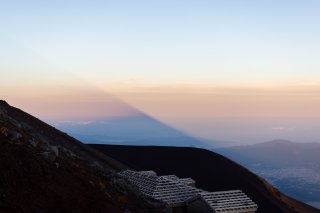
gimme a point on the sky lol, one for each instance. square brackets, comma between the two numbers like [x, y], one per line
[196, 65]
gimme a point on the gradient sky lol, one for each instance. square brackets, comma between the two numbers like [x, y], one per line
[175, 60]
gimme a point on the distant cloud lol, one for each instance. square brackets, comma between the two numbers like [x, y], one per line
[284, 129]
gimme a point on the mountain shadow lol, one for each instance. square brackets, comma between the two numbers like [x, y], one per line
[131, 130]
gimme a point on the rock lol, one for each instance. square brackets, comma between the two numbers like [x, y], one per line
[15, 135]
[3, 107]
[4, 131]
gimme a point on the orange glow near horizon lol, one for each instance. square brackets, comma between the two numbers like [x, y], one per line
[299, 100]
[204, 111]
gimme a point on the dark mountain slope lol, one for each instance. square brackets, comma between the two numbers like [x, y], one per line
[29, 183]
[44, 170]
[211, 171]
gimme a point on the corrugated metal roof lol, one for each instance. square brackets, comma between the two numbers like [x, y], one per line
[168, 189]
[176, 191]
[234, 200]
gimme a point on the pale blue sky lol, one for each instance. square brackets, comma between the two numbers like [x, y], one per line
[165, 41]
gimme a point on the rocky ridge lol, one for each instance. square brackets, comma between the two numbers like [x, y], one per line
[43, 169]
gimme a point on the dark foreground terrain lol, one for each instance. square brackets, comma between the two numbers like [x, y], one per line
[44, 170]
[211, 171]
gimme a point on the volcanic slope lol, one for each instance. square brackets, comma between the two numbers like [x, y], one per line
[45, 170]
[211, 171]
